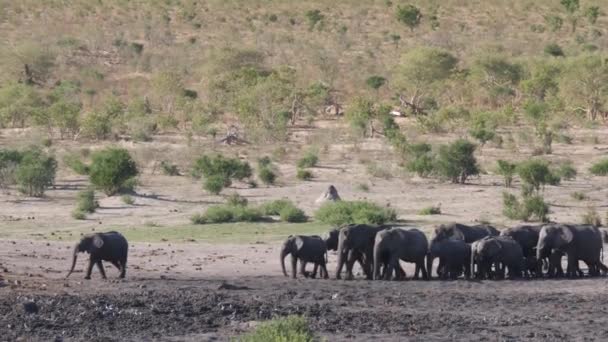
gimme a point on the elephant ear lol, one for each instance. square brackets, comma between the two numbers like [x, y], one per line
[299, 243]
[457, 234]
[564, 236]
[97, 241]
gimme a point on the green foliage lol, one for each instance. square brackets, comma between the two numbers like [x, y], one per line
[591, 217]
[9, 161]
[292, 214]
[456, 161]
[482, 134]
[579, 196]
[554, 22]
[273, 208]
[507, 170]
[85, 201]
[65, 116]
[599, 168]
[264, 162]
[111, 170]
[267, 176]
[214, 184]
[169, 169]
[127, 199]
[314, 17]
[571, 6]
[344, 212]
[532, 208]
[536, 174]
[592, 13]
[361, 113]
[97, 125]
[228, 213]
[289, 329]
[430, 211]
[79, 215]
[420, 159]
[375, 82]
[74, 163]
[566, 171]
[35, 172]
[310, 159]
[409, 15]
[235, 199]
[554, 50]
[219, 171]
[585, 84]
[20, 105]
[304, 175]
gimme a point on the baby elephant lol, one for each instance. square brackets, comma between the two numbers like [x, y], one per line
[110, 246]
[307, 249]
[454, 258]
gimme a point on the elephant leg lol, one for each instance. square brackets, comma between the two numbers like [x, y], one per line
[101, 270]
[314, 270]
[323, 271]
[416, 272]
[399, 272]
[294, 266]
[303, 268]
[350, 263]
[90, 268]
[368, 265]
[123, 268]
[425, 274]
[571, 269]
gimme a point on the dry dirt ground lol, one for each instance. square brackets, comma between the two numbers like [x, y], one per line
[174, 291]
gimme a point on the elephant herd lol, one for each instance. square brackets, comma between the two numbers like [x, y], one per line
[477, 252]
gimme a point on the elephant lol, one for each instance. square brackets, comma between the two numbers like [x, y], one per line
[527, 237]
[497, 250]
[454, 258]
[459, 231]
[400, 243]
[109, 246]
[578, 242]
[331, 239]
[356, 243]
[307, 249]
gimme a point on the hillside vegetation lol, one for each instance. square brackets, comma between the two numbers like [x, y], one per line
[104, 69]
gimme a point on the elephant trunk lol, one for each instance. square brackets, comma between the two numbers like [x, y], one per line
[341, 257]
[283, 255]
[377, 255]
[73, 261]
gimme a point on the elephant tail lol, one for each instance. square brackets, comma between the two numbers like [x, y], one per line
[283, 255]
[75, 256]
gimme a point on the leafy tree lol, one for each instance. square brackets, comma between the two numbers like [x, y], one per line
[111, 169]
[30, 62]
[592, 13]
[361, 114]
[420, 159]
[585, 84]
[409, 15]
[497, 76]
[543, 81]
[20, 104]
[571, 6]
[507, 170]
[219, 171]
[96, 125]
[456, 161]
[536, 174]
[65, 116]
[35, 172]
[537, 113]
[421, 73]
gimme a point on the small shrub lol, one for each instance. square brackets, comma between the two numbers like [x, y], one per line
[198, 219]
[127, 199]
[273, 208]
[554, 50]
[566, 171]
[430, 211]
[292, 329]
[292, 214]
[169, 169]
[86, 202]
[409, 15]
[362, 187]
[600, 168]
[219, 214]
[314, 17]
[9, 161]
[564, 139]
[264, 162]
[592, 217]
[536, 174]
[456, 161]
[579, 196]
[79, 215]
[35, 172]
[532, 207]
[377, 171]
[235, 199]
[482, 134]
[74, 163]
[214, 184]
[310, 159]
[420, 159]
[246, 214]
[112, 169]
[228, 213]
[267, 176]
[507, 170]
[345, 212]
[375, 82]
[303, 174]
[219, 170]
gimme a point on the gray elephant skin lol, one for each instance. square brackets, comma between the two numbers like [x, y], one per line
[110, 246]
[578, 242]
[527, 237]
[400, 243]
[454, 258]
[356, 243]
[306, 249]
[497, 250]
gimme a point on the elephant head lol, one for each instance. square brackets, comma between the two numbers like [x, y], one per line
[90, 244]
[331, 239]
[449, 231]
[482, 252]
[290, 246]
[553, 236]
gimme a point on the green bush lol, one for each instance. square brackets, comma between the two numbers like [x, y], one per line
[219, 171]
[345, 212]
[267, 176]
[79, 215]
[532, 207]
[430, 211]
[112, 169]
[235, 199]
[169, 169]
[310, 159]
[86, 202]
[35, 172]
[219, 214]
[304, 175]
[579, 196]
[264, 162]
[420, 159]
[127, 199]
[456, 161]
[554, 50]
[409, 15]
[591, 217]
[73, 162]
[507, 170]
[289, 329]
[375, 82]
[9, 161]
[566, 171]
[273, 208]
[228, 213]
[314, 17]
[600, 168]
[214, 184]
[536, 174]
[293, 214]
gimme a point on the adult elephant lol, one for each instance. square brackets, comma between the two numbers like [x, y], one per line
[356, 243]
[578, 242]
[331, 239]
[400, 243]
[527, 237]
[110, 246]
[454, 258]
[306, 249]
[497, 250]
[458, 231]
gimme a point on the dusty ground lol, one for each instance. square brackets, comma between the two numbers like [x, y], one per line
[174, 289]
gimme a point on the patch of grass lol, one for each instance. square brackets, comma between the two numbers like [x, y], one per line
[430, 211]
[310, 159]
[288, 329]
[79, 215]
[579, 196]
[127, 199]
[362, 187]
[228, 213]
[600, 168]
[86, 202]
[75, 164]
[591, 217]
[273, 208]
[304, 175]
[235, 199]
[378, 171]
[293, 214]
[267, 176]
[345, 212]
[566, 171]
[169, 169]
